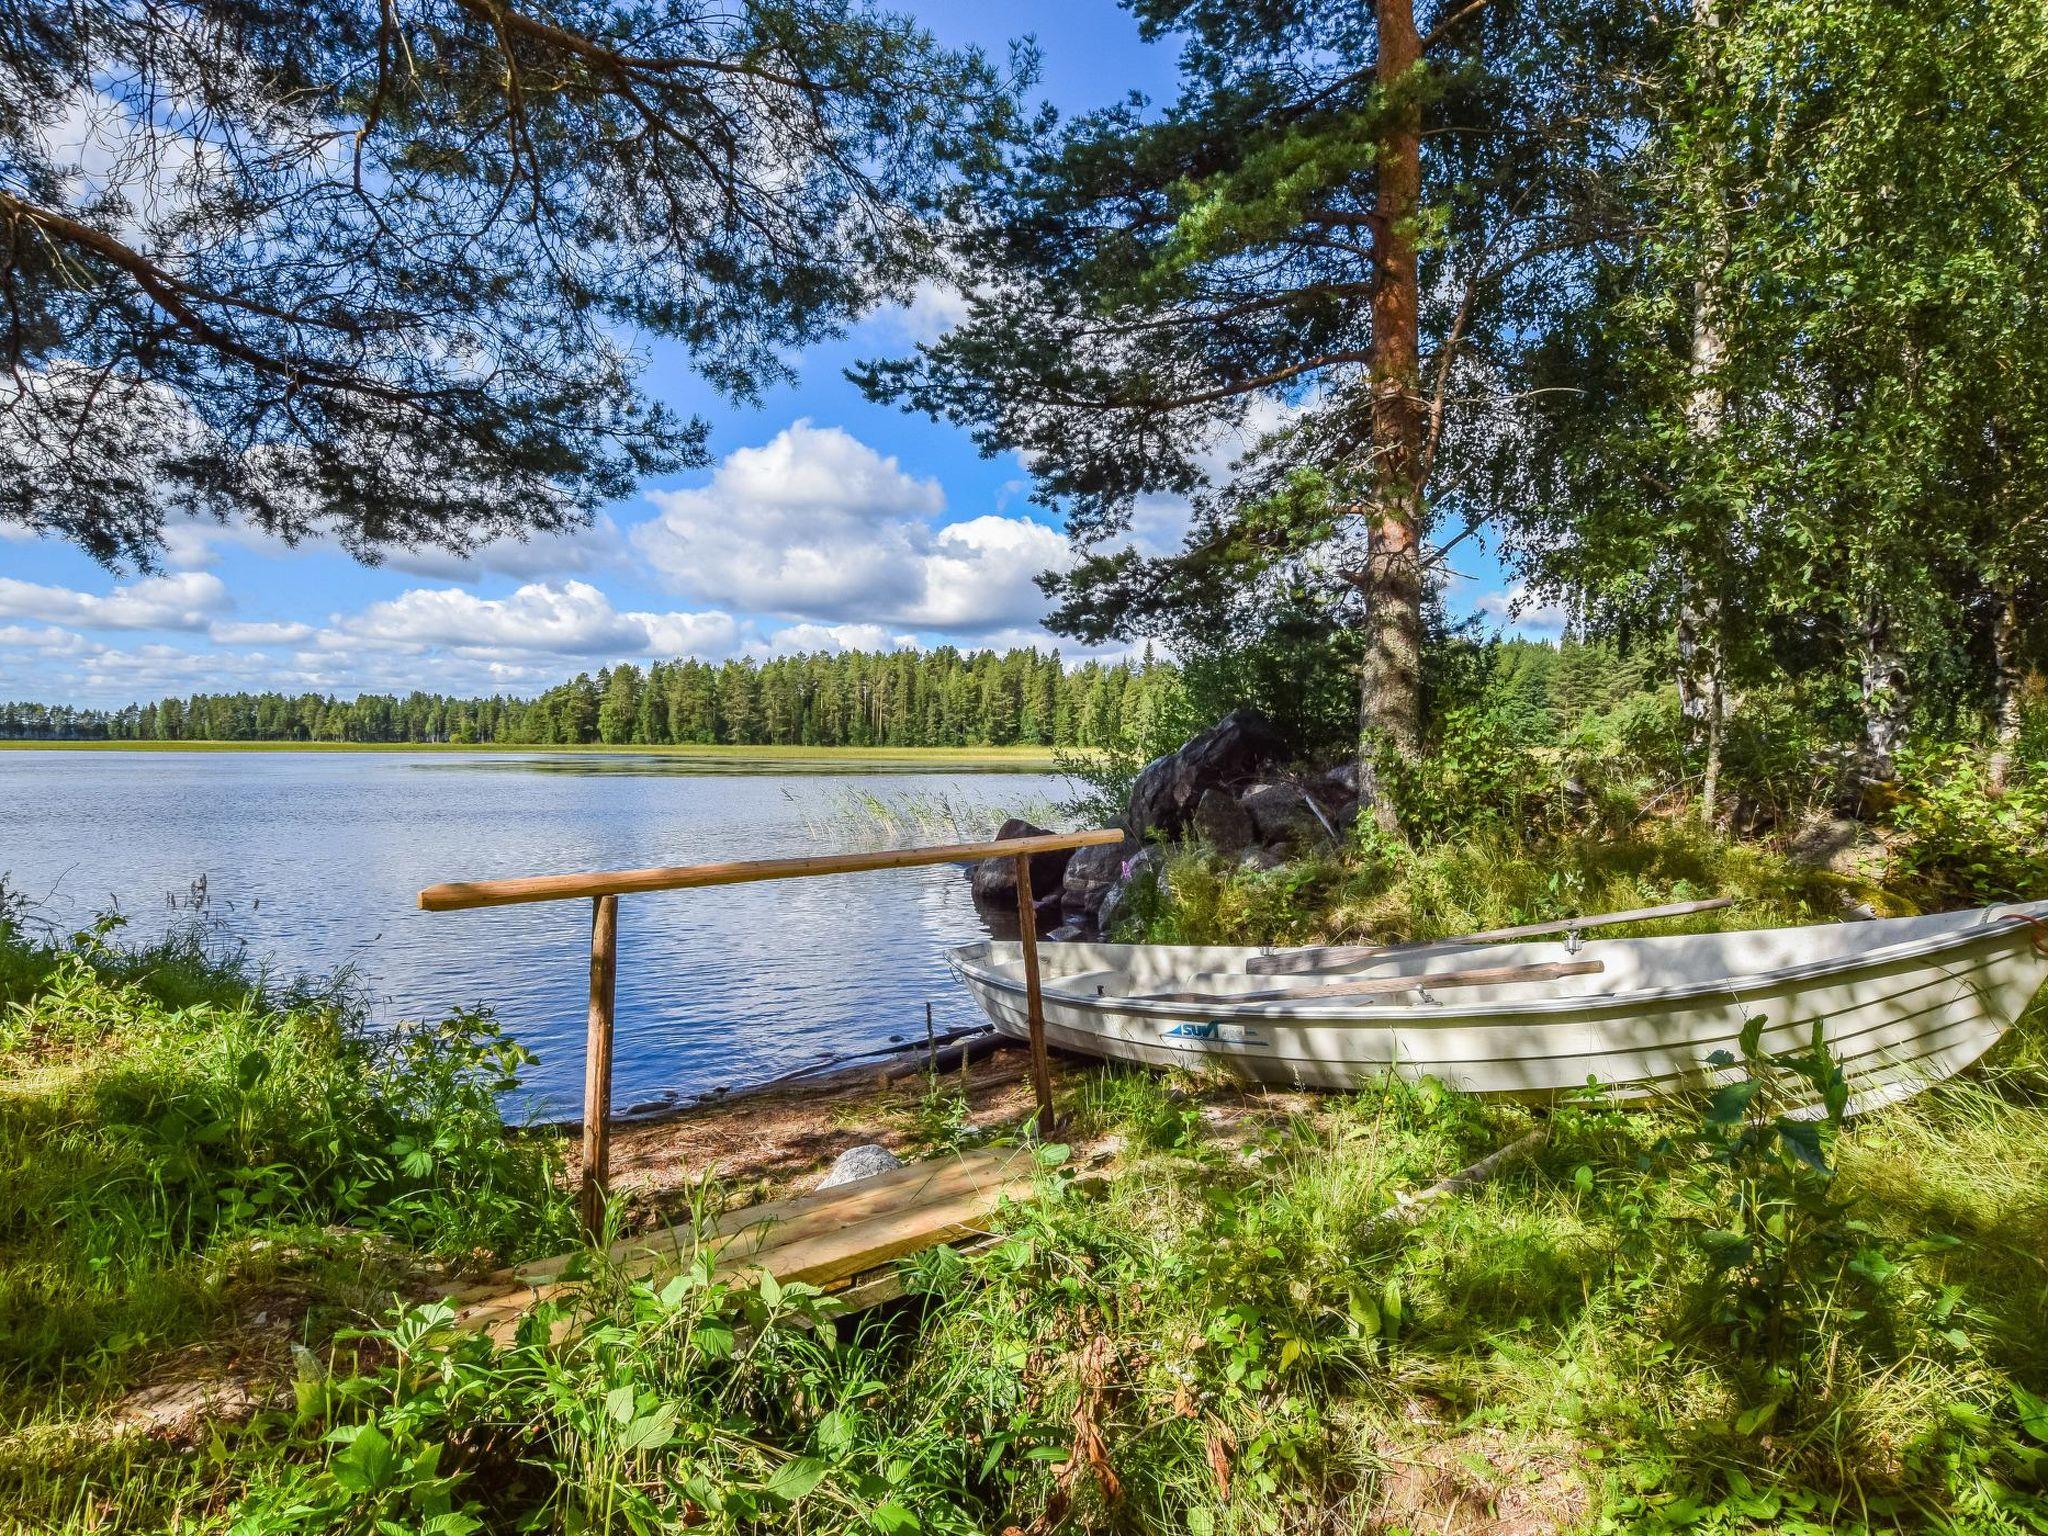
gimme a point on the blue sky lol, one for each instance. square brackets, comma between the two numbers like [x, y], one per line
[824, 521]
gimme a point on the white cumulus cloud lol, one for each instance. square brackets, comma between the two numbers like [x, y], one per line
[817, 526]
[258, 633]
[798, 639]
[572, 619]
[182, 600]
[1522, 610]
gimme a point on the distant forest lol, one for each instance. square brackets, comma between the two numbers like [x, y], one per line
[939, 698]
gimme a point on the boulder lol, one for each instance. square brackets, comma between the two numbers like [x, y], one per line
[1069, 933]
[1146, 867]
[1260, 859]
[1222, 823]
[1336, 791]
[1340, 782]
[1282, 817]
[1231, 753]
[861, 1162]
[1090, 874]
[995, 880]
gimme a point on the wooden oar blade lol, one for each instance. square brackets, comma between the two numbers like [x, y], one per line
[1386, 986]
[1296, 962]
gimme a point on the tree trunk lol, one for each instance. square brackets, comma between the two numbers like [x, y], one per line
[2005, 646]
[1702, 669]
[1702, 692]
[1390, 692]
[1885, 686]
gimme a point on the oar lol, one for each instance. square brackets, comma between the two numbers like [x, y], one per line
[1380, 986]
[1326, 956]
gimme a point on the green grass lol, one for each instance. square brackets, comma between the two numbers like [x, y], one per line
[1490, 879]
[1660, 1320]
[199, 1171]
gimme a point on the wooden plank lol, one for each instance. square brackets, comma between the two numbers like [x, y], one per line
[828, 1256]
[821, 1259]
[815, 1210]
[833, 1234]
[461, 895]
[1380, 986]
[1297, 961]
[597, 1064]
[1034, 996]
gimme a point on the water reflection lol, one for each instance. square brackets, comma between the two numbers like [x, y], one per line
[315, 861]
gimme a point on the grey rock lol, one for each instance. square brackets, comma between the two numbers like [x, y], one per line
[1232, 752]
[1112, 909]
[1336, 795]
[1341, 782]
[1282, 817]
[1147, 868]
[861, 1162]
[1261, 859]
[1222, 823]
[1827, 842]
[1090, 874]
[995, 880]
[1070, 933]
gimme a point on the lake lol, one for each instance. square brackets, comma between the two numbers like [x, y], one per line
[314, 860]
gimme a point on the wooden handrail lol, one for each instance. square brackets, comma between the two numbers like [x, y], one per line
[461, 895]
[604, 891]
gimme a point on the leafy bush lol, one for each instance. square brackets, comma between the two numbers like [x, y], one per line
[1777, 1238]
[150, 1142]
[1960, 844]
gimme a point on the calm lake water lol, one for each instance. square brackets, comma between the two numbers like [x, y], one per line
[314, 861]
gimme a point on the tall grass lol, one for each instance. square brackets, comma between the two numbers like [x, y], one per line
[1232, 1333]
[1487, 879]
[185, 1149]
[863, 818]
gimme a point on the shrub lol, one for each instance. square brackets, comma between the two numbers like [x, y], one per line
[1958, 843]
[151, 1141]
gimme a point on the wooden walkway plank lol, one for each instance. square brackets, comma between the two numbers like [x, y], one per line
[825, 1238]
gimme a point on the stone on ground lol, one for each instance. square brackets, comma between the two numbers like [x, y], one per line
[861, 1162]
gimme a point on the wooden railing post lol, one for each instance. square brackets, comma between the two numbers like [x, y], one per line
[1034, 999]
[597, 1062]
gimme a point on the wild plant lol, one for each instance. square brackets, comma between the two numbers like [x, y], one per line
[1777, 1237]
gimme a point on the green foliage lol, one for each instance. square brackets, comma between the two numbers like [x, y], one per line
[1479, 775]
[1158, 720]
[1492, 877]
[1777, 1239]
[169, 1126]
[416, 337]
[1960, 844]
[902, 698]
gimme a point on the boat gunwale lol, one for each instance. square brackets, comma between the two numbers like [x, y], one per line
[1335, 1015]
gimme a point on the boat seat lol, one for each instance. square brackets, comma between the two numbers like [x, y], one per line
[1107, 983]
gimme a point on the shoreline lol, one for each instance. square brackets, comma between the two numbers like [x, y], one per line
[962, 759]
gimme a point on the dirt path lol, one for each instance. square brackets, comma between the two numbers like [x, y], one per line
[768, 1141]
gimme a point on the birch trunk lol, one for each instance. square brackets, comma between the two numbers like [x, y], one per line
[2005, 643]
[1886, 688]
[1702, 669]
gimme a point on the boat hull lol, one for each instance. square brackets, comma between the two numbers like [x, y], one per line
[1909, 1009]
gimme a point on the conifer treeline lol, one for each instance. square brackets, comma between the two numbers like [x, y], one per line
[938, 698]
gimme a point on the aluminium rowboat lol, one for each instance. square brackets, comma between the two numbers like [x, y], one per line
[1902, 1002]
